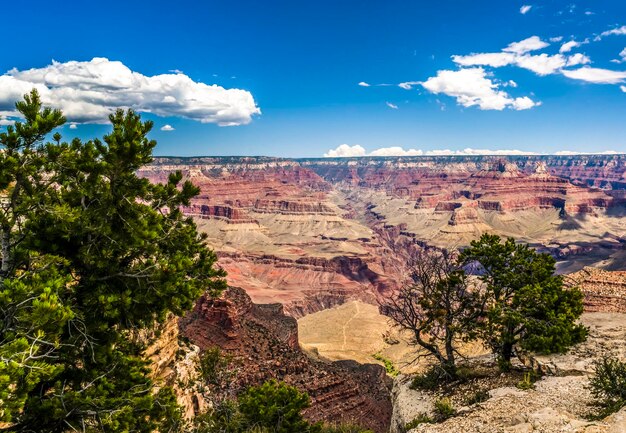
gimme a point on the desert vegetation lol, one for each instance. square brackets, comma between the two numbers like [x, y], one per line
[502, 293]
[608, 386]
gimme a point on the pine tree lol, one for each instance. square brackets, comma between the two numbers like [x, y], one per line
[113, 253]
[527, 305]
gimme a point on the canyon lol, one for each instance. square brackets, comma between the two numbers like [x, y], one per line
[311, 246]
[317, 233]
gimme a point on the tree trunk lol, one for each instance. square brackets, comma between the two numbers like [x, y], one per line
[506, 353]
[7, 259]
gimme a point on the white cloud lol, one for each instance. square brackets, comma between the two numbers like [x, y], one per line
[390, 105]
[533, 43]
[395, 151]
[568, 46]
[578, 59]
[88, 92]
[596, 75]
[355, 151]
[364, 84]
[616, 31]
[622, 88]
[556, 39]
[73, 126]
[471, 87]
[469, 152]
[495, 60]
[517, 54]
[622, 55]
[574, 152]
[408, 85]
[345, 150]
[512, 83]
[525, 9]
[542, 64]
[167, 128]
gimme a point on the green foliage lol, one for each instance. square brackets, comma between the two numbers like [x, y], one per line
[223, 418]
[432, 378]
[273, 407]
[528, 382]
[608, 385]
[276, 406]
[91, 254]
[389, 367]
[444, 409]
[213, 366]
[422, 418]
[527, 306]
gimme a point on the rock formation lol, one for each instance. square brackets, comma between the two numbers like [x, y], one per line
[263, 343]
[314, 233]
[604, 291]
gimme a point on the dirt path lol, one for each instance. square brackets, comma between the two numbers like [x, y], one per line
[345, 325]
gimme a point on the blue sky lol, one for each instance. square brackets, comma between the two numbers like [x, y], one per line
[298, 66]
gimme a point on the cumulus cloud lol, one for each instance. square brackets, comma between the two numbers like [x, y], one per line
[88, 92]
[495, 60]
[167, 128]
[578, 59]
[525, 9]
[573, 152]
[622, 88]
[470, 152]
[395, 151]
[364, 84]
[596, 75]
[471, 87]
[542, 64]
[568, 46]
[345, 150]
[354, 151]
[556, 39]
[73, 125]
[527, 45]
[390, 105]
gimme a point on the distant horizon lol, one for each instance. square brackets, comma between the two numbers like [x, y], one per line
[325, 158]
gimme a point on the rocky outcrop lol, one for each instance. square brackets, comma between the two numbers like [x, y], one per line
[560, 402]
[174, 363]
[306, 284]
[408, 404]
[604, 291]
[264, 345]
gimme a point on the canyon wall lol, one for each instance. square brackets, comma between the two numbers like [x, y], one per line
[263, 344]
[314, 233]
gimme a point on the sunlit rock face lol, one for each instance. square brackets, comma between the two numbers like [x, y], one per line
[315, 233]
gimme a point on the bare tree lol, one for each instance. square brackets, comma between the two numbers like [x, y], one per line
[438, 307]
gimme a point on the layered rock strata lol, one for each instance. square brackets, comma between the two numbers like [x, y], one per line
[314, 233]
[263, 343]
